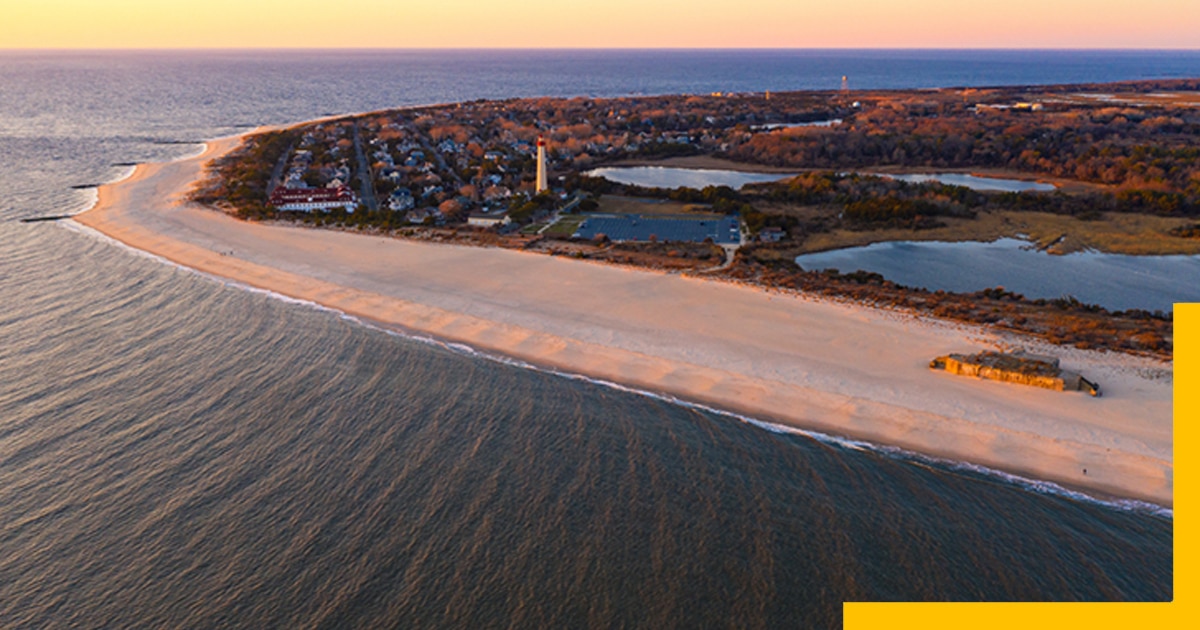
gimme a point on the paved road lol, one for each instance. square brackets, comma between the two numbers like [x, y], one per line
[277, 172]
[364, 174]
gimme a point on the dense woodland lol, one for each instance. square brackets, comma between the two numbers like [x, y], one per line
[1128, 147]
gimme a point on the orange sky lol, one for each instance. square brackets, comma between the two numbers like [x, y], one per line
[599, 23]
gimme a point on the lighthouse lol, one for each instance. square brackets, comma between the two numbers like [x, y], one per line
[541, 166]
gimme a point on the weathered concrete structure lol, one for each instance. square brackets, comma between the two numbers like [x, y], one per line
[1016, 367]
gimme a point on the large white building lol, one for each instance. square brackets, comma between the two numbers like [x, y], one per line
[309, 199]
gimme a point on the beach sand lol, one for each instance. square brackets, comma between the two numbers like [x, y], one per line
[842, 369]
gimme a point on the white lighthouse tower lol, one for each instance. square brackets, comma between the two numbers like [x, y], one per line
[541, 166]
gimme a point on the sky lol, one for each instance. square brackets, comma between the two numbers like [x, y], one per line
[600, 24]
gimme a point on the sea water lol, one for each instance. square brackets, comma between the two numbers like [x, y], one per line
[176, 450]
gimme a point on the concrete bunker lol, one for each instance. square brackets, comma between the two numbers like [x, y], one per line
[1016, 367]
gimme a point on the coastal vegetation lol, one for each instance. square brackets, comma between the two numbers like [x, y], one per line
[243, 179]
[1123, 158]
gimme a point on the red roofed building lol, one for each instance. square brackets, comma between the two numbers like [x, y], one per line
[309, 199]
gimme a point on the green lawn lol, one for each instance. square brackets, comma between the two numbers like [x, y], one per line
[565, 226]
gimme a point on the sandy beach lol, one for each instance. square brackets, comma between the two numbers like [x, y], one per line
[837, 368]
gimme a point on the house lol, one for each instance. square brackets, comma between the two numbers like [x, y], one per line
[419, 215]
[771, 235]
[309, 199]
[494, 193]
[400, 200]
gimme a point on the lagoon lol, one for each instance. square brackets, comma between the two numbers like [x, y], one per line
[668, 177]
[1117, 282]
[816, 123]
[985, 184]
[671, 177]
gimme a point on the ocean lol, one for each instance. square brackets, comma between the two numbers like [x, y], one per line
[178, 451]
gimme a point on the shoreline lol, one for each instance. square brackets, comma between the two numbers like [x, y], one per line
[812, 364]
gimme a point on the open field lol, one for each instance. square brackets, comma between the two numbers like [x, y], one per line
[616, 204]
[565, 226]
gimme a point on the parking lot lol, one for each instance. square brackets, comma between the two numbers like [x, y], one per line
[632, 227]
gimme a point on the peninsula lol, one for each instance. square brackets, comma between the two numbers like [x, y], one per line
[728, 334]
[1108, 168]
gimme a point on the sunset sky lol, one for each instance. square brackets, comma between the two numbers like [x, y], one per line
[600, 24]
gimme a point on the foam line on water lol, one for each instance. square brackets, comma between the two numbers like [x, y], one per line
[893, 452]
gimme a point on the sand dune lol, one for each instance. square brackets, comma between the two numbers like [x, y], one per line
[838, 368]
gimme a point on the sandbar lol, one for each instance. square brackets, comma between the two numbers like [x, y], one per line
[823, 365]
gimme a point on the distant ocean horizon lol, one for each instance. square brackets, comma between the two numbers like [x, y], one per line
[176, 450]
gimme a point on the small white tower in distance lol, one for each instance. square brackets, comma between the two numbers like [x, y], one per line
[845, 84]
[541, 166]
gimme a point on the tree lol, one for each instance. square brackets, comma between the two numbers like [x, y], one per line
[451, 209]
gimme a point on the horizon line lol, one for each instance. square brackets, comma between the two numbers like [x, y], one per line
[602, 48]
